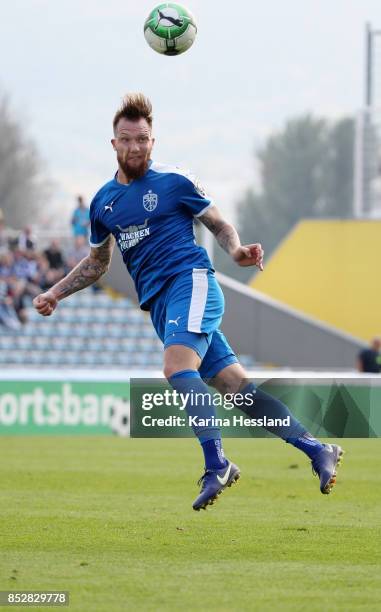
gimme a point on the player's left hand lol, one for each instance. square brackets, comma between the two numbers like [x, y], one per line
[249, 255]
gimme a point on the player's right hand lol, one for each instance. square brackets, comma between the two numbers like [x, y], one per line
[45, 303]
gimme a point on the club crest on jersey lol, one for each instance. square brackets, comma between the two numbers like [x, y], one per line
[150, 201]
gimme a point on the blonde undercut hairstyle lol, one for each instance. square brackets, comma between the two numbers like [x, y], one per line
[134, 106]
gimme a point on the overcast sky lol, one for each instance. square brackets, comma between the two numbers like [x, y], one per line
[66, 64]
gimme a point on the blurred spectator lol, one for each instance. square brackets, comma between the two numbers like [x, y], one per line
[25, 281]
[24, 273]
[4, 236]
[369, 359]
[8, 316]
[6, 264]
[25, 240]
[56, 268]
[24, 266]
[80, 220]
[36, 274]
[15, 288]
[79, 250]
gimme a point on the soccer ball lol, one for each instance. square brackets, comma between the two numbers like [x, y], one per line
[170, 29]
[120, 418]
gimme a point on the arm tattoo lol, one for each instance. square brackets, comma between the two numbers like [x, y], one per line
[226, 235]
[87, 272]
[228, 238]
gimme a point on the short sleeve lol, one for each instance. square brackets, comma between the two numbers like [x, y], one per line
[98, 232]
[193, 196]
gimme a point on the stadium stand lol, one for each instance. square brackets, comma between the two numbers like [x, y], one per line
[90, 329]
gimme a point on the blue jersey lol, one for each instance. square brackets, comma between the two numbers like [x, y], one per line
[151, 219]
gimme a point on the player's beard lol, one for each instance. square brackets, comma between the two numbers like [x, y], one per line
[133, 171]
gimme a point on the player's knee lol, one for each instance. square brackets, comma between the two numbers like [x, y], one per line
[178, 358]
[231, 380]
[173, 366]
[228, 385]
[170, 369]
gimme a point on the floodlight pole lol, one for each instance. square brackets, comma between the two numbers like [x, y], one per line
[370, 36]
[362, 195]
[358, 165]
[369, 66]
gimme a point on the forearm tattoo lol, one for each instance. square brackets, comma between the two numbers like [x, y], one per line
[228, 238]
[87, 272]
[226, 235]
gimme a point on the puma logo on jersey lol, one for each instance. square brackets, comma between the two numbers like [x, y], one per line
[109, 206]
[175, 321]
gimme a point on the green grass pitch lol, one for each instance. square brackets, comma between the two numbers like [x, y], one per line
[110, 520]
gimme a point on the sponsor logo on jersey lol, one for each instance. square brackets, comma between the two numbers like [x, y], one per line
[131, 236]
[150, 201]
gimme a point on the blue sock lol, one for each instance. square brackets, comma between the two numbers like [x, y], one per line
[190, 381]
[294, 433]
[213, 454]
[308, 444]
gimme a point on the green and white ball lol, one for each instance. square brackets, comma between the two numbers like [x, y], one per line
[170, 29]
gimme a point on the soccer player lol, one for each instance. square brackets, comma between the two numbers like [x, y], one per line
[148, 210]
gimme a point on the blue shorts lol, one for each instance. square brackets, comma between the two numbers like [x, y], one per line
[188, 311]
